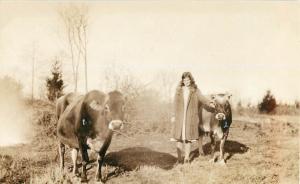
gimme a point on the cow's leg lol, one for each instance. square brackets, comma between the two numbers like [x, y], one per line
[200, 144]
[61, 150]
[187, 148]
[179, 148]
[222, 143]
[100, 160]
[213, 147]
[85, 159]
[74, 160]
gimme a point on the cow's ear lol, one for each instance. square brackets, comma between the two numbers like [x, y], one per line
[229, 96]
[106, 108]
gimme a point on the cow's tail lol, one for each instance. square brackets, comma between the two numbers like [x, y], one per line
[56, 157]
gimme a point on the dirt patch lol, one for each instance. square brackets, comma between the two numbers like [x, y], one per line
[133, 158]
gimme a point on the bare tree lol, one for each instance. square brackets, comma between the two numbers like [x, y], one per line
[32, 73]
[167, 83]
[120, 78]
[75, 19]
[117, 77]
[33, 53]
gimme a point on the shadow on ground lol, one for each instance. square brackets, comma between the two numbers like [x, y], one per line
[132, 158]
[231, 147]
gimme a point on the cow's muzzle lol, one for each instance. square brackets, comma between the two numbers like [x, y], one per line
[220, 116]
[116, 125]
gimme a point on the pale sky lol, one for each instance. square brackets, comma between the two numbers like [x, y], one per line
[241, 47]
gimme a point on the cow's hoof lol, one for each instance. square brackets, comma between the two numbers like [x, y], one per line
[213, 160]
[201, 153]
[196, 159]
[177, 163]
[222, 162]
[84, 179]
[76, 174]
[98, 180]
[187, 161]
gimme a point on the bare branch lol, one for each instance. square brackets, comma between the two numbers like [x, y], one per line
[76, 22]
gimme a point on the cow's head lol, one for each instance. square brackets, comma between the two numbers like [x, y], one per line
[106, 111]
[223, 109]
[114, 110]
[104, 114]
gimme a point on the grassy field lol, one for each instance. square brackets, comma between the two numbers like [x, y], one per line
[260, 149]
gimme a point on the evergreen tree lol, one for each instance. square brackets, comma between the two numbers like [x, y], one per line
[55, 84]
[268, 104]
[297, 104]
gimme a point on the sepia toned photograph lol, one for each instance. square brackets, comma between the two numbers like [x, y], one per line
[149, 92]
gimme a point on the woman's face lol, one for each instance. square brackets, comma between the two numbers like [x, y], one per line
[187, 81]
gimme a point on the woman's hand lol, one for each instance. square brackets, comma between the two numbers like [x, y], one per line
[212, 105]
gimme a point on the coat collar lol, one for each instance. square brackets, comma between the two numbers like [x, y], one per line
[180, 92]
[192, 89]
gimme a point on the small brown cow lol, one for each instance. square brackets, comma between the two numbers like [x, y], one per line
[216, 124]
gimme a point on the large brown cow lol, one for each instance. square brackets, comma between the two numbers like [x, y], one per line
[216, 124]
[89, 122]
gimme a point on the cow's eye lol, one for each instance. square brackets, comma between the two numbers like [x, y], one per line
[106, 108]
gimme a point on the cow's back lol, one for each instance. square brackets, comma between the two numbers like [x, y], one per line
[205, 117]
[69, 118]
[69, 122]
[63, 102]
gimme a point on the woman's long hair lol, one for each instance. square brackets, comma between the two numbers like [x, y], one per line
[189, 75]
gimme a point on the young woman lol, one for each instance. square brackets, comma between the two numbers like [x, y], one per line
[187, 102]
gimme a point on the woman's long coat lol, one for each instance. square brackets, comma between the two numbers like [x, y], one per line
[195, 101]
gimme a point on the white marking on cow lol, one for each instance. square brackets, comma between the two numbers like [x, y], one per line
[94, 105]
[110, 126]
[84, 122]
[220, 116]
[218, 132]
[115, 124]
[95, 144]
[205, 127]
